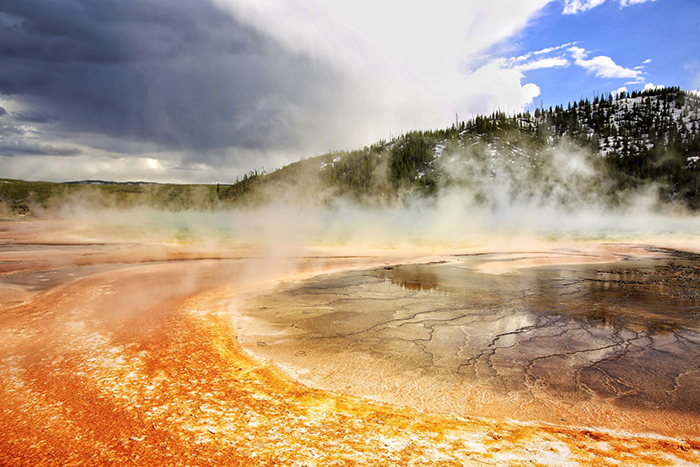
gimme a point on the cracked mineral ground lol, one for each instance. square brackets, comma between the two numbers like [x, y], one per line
[121, 348]
[614, 344]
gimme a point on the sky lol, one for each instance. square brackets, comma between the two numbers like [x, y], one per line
[203, 91]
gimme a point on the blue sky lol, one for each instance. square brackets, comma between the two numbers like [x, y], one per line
[666, 32]
[207, 90]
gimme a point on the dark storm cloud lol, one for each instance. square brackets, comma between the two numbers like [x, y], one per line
[180, 74]
[3, 111]
[33, 116]
[12, 130]
[31, 148]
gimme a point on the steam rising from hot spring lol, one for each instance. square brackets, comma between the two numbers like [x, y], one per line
[484, 199]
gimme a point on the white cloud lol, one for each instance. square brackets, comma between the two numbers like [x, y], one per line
[553, 49]
[604, 67]
[552, 62]
[624, 3]
[618, 91]
[417, 58]
[544, 51]
[572, 7]
[497, 87]
[653, 87]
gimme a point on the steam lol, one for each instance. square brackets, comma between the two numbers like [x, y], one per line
[488, 198]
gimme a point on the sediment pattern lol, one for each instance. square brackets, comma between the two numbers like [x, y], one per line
[613, 346]
[139, 363]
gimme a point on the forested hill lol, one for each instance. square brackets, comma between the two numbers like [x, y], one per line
[648, 138]
[590, 151]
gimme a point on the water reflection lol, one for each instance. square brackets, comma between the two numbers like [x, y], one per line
[562, 333]
[410, 277]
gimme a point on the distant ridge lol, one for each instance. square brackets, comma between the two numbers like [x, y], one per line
[108, 182]
[629, 141]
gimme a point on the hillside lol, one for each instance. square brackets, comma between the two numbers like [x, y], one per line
[587, 152]
[589, 149]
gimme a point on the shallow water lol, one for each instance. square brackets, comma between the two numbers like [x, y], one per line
[614, 345]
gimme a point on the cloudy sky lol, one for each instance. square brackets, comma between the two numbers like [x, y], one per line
[206, 90]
